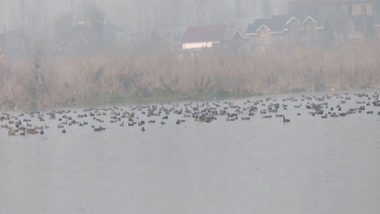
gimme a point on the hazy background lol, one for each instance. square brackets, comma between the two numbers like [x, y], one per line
[139, 18]
[86, 55]
[86, 52]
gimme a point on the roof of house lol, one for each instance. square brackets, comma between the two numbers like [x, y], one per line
[232, 32]
[279, 24]
[317, 20]
[275, 24]
[205, 33]
[111, 27]
[326, 2]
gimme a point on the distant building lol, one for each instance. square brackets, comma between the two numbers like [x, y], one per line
[15, 44]
[331, 7]
[350, 19]
[377, 28]
[285, 31]
[84, 39]
[361, 28]
[211, 36]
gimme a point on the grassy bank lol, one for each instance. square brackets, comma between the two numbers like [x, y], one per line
[44, 82]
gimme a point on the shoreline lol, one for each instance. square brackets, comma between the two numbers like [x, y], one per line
[124, 102]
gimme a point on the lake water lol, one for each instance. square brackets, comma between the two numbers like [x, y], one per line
[310, 165]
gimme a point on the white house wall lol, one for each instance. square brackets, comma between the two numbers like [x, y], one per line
[198, 45]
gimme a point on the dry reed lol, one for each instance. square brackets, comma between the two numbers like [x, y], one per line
[106, 78]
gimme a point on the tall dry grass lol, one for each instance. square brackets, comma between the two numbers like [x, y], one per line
[162, 74]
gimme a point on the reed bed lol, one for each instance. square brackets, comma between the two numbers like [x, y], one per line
[40, 82]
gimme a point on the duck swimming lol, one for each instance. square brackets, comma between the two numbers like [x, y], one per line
[284, 120]
[99, 129]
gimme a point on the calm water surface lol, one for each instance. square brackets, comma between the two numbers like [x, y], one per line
[310, 165]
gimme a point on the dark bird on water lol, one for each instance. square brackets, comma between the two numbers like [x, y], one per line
[99, 129]
[285, 120]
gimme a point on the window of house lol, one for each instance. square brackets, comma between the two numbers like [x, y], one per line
[364, 9]
[350, 10]
[369, 9]
[293, 26]
[356, 9]
[264, 32]
[309, 26]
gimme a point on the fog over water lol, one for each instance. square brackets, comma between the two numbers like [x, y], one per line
[189, 106]
[310, 165]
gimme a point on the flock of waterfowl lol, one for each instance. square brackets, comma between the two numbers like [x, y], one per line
[144, 116]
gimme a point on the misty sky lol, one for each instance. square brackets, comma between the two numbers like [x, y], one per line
[36, 17]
